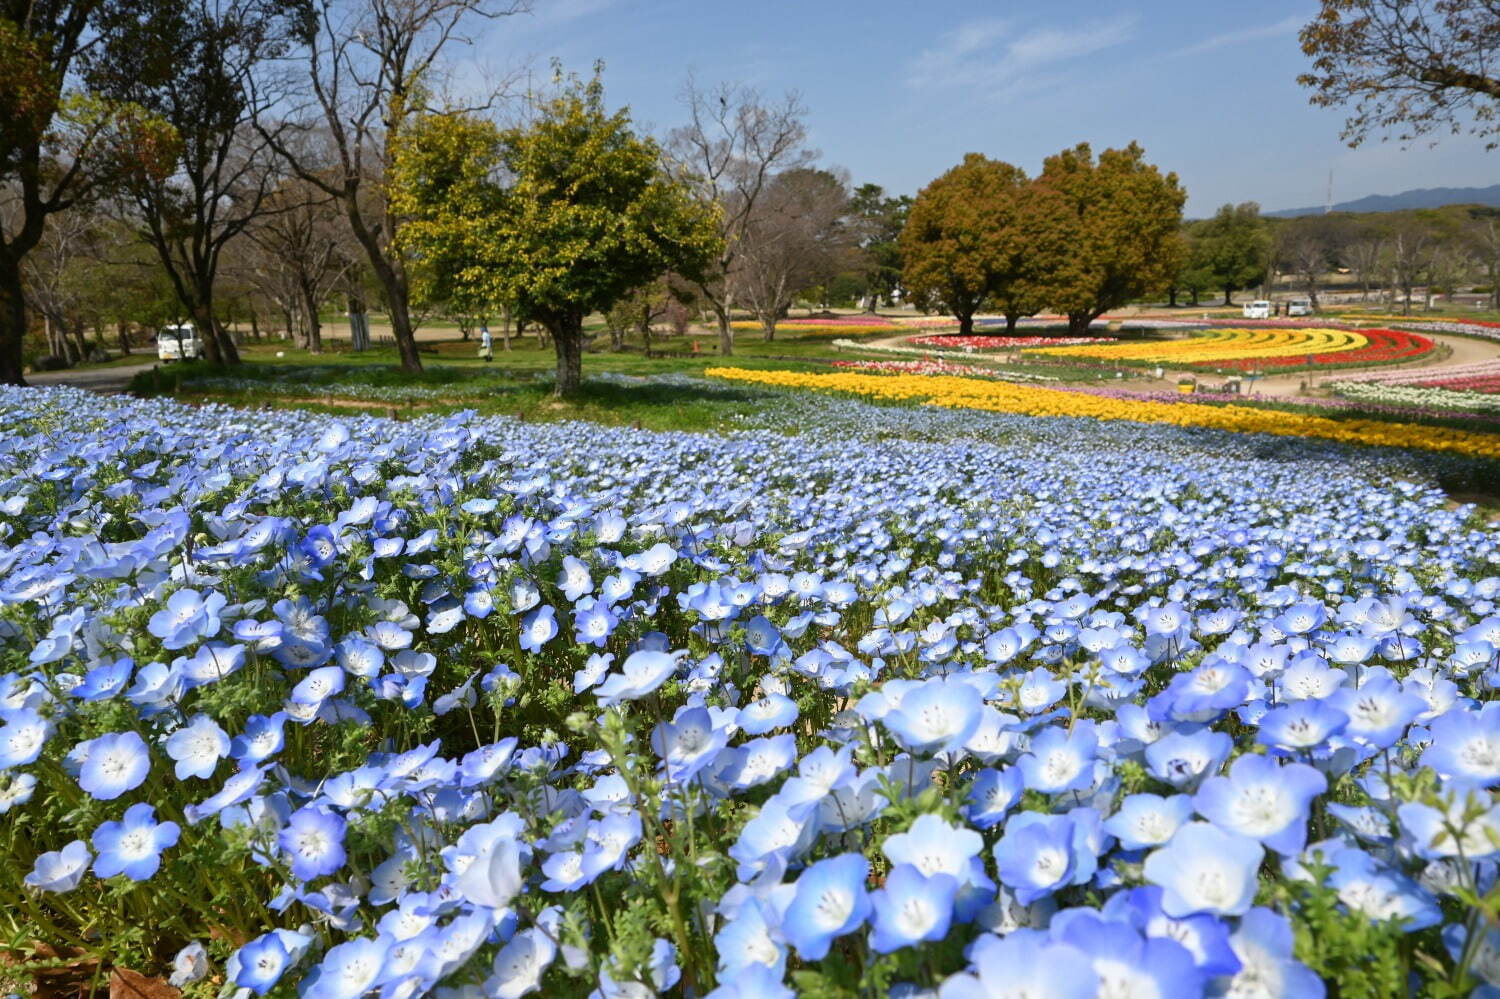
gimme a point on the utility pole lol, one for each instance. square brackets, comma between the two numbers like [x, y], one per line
[1328, 201]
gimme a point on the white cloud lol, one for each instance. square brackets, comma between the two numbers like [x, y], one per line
[1003, 58]
[1286, 26]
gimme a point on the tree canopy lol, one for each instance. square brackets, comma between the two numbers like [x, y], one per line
[1411, 67]
[561, 217]
[1232, 249]
[1121, 220]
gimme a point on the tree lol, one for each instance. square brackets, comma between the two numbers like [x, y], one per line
[1121, 221]
[731, 147]
[793, 240]
[1484, 237]
[1409, 254]
[1302, 244]
[1233, 246]
[588, 213]
[300, 244]
[1365, 256]
[48, 135]
[196, 174]
[964, 240]
[877, 221]
[369, 70]
[1410, 66]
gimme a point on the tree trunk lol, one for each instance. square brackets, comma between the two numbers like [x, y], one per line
[122, 329]
[12, 323]
[1079, 322]
[505, 321]
[1171, 298]
[254, 326]
[1011, 318]
[1228, 296]
[314, 323]
[567, 337]
[203, 325]
[965, 323]
[769, 324]
[726, 335]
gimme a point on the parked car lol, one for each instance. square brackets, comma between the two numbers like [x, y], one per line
[1299, 307]
[1259, 309]
[178, 343]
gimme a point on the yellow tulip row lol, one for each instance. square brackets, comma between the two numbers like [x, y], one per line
[1220, 345]
[1005, 397]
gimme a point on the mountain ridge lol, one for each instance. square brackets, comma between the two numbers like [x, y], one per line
[1421, 197]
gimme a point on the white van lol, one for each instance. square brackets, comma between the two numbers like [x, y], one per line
[1299, 307]
[1259, 309]
[178, 343]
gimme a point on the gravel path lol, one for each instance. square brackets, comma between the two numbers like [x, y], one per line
[110, 381]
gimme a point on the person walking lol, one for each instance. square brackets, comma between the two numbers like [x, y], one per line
[486, 343]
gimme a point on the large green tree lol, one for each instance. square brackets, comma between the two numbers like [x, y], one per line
[877, 220]
[562, 217]
[963, 240]
[1120, 217]
[1233, 248]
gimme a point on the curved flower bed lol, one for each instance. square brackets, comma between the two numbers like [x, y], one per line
[1451, 376]
[1217, 347]
[467, 707]
[1382, 347]
[1003, 397]
[1425, 397]
[1001, 342]
[937, 366]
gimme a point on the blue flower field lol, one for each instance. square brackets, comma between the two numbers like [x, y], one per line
[855, 701]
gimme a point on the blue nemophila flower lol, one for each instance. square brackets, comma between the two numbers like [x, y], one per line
[1024, 964]
[1263, 943]
[1205, 937]
[1466, 826]
[593, 622]
[770, 712]
[1126, 962]
[349, 970]
[1036, 855]
[133, 846]
[753, 981]
[1204, 693]
[538, 628]
[197, 747]
[830, 900]
[189, 965]
[574, 579]
[1205, 869]
[992, 795]
[1264, 800]
[113, 764]
[640, 674]
[1379, 710]
[688, 743]
[911, 908]
[519, 965]
[187, 617]
[1184, 758]
[1144, 821]
[259, 964]
[1059, 760]
[263, 736]
[60, 870]
[491, 877]
[937, 715]
[1465, 746]
[313, 842]
[23, 733]
[105, 680]
[1300, 725]
[16, 790]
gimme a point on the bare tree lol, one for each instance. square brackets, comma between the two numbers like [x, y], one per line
[1304, 250]
[1366, 258]
[1484, 237]
[731, 147]
[793, 240]
[1409, 255]
[197, 187]
[368, 70]
[300, 241]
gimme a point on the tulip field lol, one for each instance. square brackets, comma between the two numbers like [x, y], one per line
[999, 696]
[1259, 347]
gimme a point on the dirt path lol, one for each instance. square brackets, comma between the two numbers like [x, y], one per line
[109, 381]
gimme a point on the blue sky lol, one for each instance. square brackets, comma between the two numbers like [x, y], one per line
[899, 90]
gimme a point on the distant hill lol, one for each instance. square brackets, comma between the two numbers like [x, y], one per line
[1426, 197]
